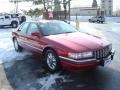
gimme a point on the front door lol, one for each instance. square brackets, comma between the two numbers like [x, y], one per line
[33, 42]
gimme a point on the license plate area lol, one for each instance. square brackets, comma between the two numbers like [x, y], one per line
[106, 61]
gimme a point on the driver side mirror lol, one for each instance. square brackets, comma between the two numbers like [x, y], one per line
[36, 34]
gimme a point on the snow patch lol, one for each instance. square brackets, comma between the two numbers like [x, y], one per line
[7, 52]
[48, 81]
[12, 55]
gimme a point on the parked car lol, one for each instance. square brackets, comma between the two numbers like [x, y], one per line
[98, 19]
[61, 45]
[9, 20]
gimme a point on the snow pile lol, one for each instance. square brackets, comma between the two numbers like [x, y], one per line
[7, 52]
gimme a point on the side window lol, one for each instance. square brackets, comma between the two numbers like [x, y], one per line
[7, 17]
[24, 27]
[14, 15]
[33, 28]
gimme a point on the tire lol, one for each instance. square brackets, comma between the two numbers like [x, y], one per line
[52, 62]
[102, 22]
[98, 21]
[89, 20]
[16, 46]
[14, 24]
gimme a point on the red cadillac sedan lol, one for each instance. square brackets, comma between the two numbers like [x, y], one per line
[61, 45]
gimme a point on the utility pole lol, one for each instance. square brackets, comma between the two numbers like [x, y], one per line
[69, 11]
[16, 4]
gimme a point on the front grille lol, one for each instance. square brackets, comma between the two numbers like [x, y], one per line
[101, 53]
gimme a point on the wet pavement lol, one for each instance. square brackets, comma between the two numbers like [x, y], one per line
[29, 73]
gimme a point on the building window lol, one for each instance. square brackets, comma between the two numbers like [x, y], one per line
[110, 12]
[103, 5]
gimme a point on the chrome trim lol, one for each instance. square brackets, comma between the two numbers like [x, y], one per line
[101, 52]
[78, 61]
[113, 51]
[33, 47]
[112, 54]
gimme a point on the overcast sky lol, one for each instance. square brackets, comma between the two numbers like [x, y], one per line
[5, 6]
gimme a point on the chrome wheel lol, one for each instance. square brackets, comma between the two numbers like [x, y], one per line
[51, 61]
[98, 21]
[14, 25]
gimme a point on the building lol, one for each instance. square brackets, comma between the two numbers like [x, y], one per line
[107, 7]
[84, 11]
[94, 4]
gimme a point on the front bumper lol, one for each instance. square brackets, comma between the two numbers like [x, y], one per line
[72, 64]
[107, 59]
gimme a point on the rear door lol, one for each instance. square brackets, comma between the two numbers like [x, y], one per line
[22, 36]
[99, 18]
[96, 18]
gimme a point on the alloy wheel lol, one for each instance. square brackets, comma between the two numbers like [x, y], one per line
[51, 61]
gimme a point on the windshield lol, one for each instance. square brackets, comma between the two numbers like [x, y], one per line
[57, 27]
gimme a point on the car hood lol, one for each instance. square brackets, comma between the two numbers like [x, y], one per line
[78, 41]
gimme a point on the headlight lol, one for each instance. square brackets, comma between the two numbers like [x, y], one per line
[80, 55]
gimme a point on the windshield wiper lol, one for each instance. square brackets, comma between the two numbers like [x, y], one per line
[68, 32]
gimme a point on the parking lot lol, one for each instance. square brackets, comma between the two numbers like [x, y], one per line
[23, 71]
